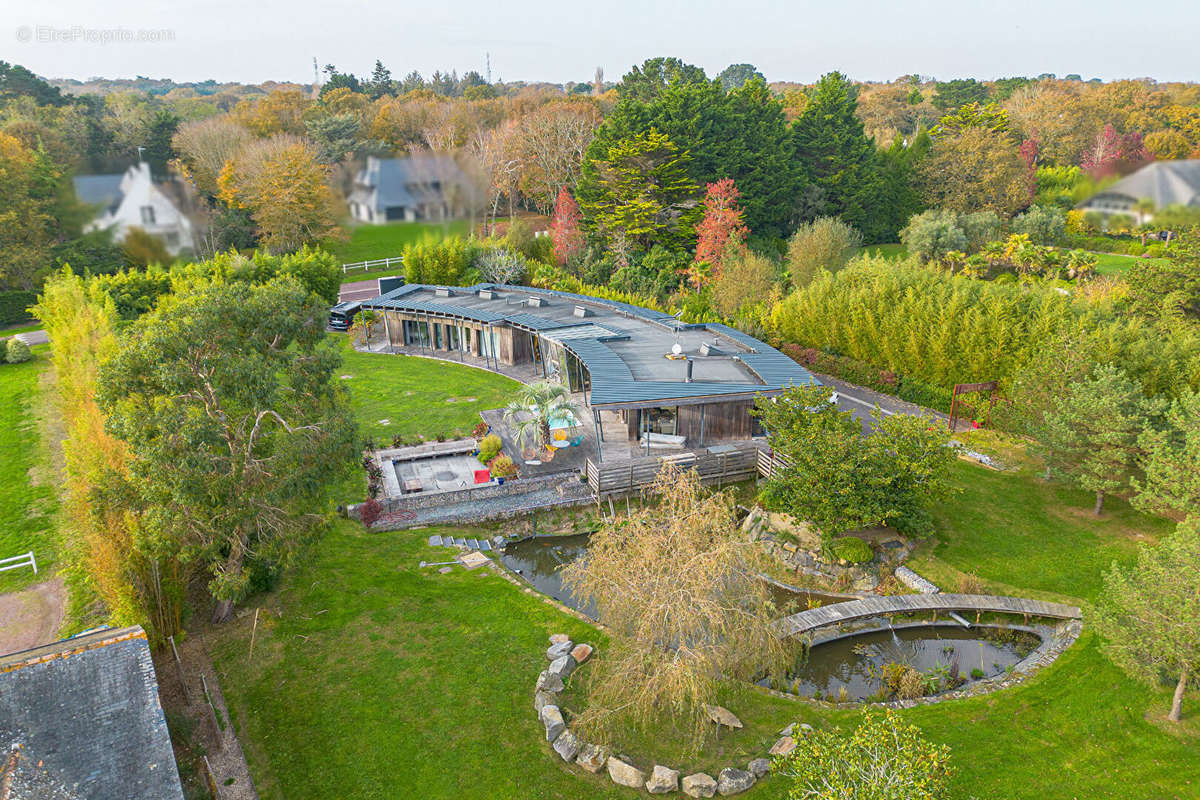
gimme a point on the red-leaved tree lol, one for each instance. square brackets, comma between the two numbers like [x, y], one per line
[1113, 154]
[564, 228]
[723, 225]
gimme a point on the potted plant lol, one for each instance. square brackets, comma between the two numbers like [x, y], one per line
[531, 412]
[502, 467]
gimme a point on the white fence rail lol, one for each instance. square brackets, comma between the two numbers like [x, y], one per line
[16, 562]
[379, 263]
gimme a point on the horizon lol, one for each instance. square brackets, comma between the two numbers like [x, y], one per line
[866, 40]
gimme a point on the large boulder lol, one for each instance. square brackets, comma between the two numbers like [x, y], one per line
[723, 716]
[552, 718]
[784, 746]
[591, 757]
[567, 746]
[734, 781]
[760, 767]
[699, 785]
[581, 652]
[562, 666]
[624, 774]
[559, 649]
[549, 682]
[663, 780]
[541, 700]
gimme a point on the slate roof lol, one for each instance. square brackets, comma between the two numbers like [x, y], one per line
[1166, 183]
[622, 346]
[406, 182]
[86, 717]
[99, 190]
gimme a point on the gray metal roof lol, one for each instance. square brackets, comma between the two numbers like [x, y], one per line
[406, 182]
[1165, 183]
[623, 347]
[86, 714]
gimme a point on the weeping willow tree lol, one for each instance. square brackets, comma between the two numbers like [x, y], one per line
[678, 587]
[104, 531]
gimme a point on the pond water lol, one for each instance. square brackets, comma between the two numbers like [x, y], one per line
[855, 662]
[539, 560]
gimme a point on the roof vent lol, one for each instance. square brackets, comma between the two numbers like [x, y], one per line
[537, 302]
[487, 294]
[442, 291]
[707, 349]
[582, 311]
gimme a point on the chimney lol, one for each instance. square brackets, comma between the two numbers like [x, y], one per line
[689, 371]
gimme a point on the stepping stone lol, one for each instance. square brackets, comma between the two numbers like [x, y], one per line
[484, 546]
[460, 542]
[444, 570]
[435, 541]
[473, 544]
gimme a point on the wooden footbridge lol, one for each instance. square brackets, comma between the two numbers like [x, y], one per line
[808, 621]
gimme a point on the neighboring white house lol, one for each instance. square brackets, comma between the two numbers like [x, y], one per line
[133, 200]
[1163, 183]
[425, 187]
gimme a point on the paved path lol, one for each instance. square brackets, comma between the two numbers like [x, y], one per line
[808, 621]
[359, 290]
[31, 337]
[860, 401]
[30, 618]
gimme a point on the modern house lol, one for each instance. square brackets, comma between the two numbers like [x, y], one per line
[1163, 183]
[417, 188]
[133, 199]
[665, 380]
[80, 719]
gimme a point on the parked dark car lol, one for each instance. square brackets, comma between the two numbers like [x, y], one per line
[341, 316]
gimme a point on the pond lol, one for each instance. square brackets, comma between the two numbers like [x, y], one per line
[538, 560]
[857, 663]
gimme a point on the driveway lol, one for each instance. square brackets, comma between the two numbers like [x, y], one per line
[359, 290]
[860, 402]
[33, 337]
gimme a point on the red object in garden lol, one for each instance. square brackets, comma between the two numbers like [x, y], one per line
[483, 475]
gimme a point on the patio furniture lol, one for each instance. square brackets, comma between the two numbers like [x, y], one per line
[483, 475]
[664, 440]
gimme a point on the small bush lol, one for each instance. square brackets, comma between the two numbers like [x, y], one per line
[853, 550]
[502, 467]
[977, 674]
[970, 584]
[17, 351]
[489, 447]
[371, 511]
[479, 431]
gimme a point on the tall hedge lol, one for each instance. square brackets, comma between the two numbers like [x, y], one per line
[941, 329]
[13, 307]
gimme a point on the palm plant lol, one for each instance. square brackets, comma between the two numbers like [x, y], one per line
[530, 413]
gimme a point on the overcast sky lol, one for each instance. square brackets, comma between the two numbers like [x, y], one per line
[256, 40]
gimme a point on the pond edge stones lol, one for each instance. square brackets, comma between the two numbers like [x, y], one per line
[564, 656]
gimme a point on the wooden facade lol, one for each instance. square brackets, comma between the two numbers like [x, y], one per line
[705, 423]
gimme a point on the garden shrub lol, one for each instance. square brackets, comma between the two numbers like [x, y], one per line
[13, 307]
[370, 512]
[502, 467]
[17, 352]
[853, 550]
[489, 447]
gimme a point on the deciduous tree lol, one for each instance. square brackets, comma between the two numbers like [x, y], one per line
[565, 228]
[825, 243]
[235, 426]
[722, 230]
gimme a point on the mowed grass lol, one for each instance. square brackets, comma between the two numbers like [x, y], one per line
[418, 396]
[375, 678]
[1014, 530]
[26, 507]
[369, 242]
[1116, 264]
[894, 250]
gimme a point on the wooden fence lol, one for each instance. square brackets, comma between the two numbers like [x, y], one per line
[379, 263]
[721, 464]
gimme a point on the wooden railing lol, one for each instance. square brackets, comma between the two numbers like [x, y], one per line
[721, 464]
[379, 263]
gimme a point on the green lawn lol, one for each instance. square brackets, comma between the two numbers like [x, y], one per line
[13, 331]
[419, 396]
[1015, 530]
[369, 242]
[892, 250]
[401, 681]
[1115, 264]
[26, 506]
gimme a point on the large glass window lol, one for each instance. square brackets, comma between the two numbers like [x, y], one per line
[660, 420]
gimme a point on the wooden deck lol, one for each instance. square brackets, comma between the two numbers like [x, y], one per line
[808, 621]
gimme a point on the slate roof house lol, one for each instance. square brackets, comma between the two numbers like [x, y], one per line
[695, 383]
[412, 189]
[80, 719]
[1164, 183]
[132, 199]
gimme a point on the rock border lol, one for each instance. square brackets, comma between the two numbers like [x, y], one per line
[565, 657]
